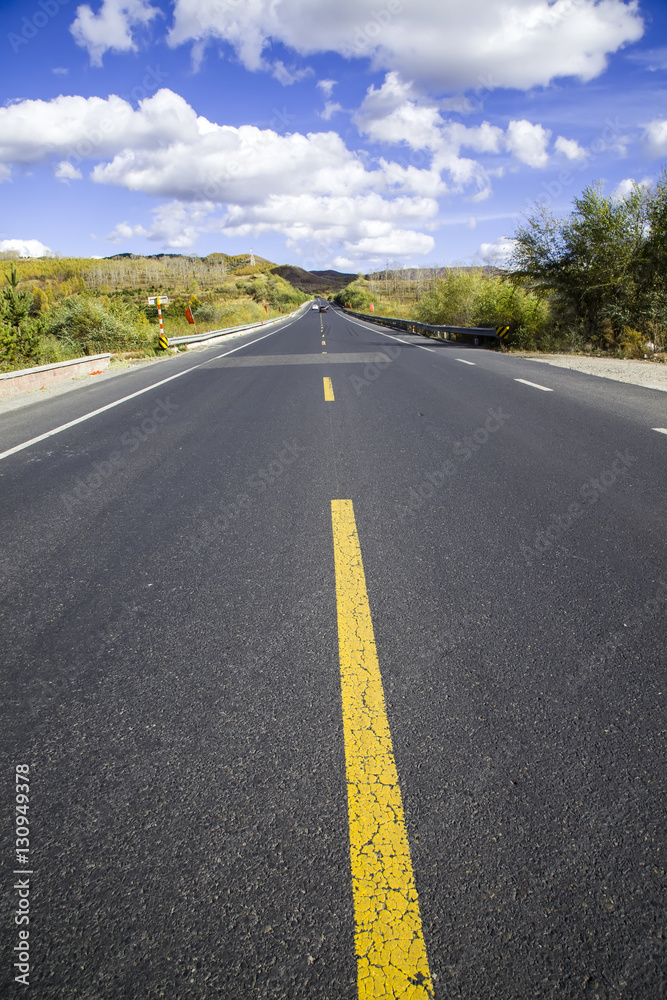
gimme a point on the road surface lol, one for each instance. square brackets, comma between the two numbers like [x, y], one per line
[204, 587]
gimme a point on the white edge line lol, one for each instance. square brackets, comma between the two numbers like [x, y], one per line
[660, 430]
[369, 325]
[533, 384]
[464, 362]
[133, 395]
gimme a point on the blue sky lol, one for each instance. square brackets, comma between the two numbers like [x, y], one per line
[321, 134]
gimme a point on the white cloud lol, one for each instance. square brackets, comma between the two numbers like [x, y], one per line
[365, 227]
[60, 70]
[289, 76]
[528, 142]
[25, 248]
[444, 45]
[655, 137]
[326, 86]
[175, 225]
[66, 172]
[484, 138]
[395, 113]
[112, 27]
[627, 186]
[570, 148]
[124, 231]
[305, 187]
[653, 60]
[330, 109]
[78, 128]
[497, 253]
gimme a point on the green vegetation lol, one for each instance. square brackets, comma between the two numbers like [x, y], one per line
[357, 295]
[463, 297]
[594, 281]
[475, 298]
[19, 326]
[603, 268]
[54, 309]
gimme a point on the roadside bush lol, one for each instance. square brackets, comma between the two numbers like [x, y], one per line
[357, 295]
[85, 323]
[633, 343]
[206, 313]
[474, 298]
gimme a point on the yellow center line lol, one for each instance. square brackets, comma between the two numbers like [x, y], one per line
[328, 391]
[390, 948]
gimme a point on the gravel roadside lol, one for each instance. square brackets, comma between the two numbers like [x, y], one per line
[649, 374]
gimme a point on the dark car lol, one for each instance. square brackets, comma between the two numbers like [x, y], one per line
[324, 308]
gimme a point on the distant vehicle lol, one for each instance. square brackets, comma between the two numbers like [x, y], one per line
[323, 308]
[315, 306]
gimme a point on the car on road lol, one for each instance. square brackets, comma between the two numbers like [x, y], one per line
[324, 308]
[315, 306]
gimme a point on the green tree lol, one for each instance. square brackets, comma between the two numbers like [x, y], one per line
[19, 341]
[591, 261]
[15, 302]
[653, 267]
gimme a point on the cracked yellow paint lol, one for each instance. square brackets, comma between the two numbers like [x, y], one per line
[390, 948]
[328, 391]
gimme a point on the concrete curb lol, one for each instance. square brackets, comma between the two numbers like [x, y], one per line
[11, 383]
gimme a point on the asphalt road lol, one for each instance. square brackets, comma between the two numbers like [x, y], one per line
[171, 675]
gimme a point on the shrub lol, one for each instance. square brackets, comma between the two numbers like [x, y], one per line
[633, 343]
[356, 294]
[473, 298]
[86, 324]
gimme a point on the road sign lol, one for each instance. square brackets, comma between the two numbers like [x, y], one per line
[502, 331]
[164, 300]
[163, 342]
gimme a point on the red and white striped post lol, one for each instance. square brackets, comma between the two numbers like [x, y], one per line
[162, 340]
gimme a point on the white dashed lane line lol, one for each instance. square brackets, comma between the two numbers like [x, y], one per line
[660, 430]
[533, 384]
[464, 362]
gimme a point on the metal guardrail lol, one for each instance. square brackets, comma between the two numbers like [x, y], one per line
[462, 334]
[200, 338]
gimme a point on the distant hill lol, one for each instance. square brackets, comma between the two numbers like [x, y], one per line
[313, 281]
